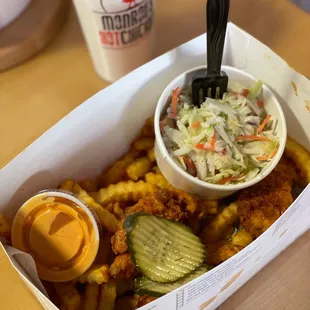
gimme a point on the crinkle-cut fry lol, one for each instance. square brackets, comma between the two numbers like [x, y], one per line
[148, 128]
[91, 296]
[207, 207]
[107, 220]
[300, 156]
[5, 227]
[67, 185]
[139, 168]
[241, 238]
[69, 295]
[105, 253]
[127, 302]
[216, 227]
[143, 144]
[151, 155]
[89, 185]
[116, 209]
[107, 296]
[123, 191]
[227, 233]
[117, 172]
[156, 179]
[95, 274]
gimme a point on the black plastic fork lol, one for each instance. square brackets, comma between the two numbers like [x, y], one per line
[214, 83]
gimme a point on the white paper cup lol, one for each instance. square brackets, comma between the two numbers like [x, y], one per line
[180, 179]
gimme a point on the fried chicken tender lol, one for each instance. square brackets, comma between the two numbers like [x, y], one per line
[242, 238]
[161, 203]
[215, 229]
[123, 267]
[119, 244]
[172, 197]
[143, 300]
[262, 204]
[220, 251]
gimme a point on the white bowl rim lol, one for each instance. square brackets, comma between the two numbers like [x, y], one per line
[195, 180]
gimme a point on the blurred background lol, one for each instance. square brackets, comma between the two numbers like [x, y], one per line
[304, 4]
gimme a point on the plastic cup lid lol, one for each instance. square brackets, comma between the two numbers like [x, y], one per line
[59, 232]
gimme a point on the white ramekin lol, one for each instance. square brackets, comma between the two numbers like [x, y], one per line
[181, 179]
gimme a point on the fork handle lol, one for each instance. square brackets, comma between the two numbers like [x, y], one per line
[217, 16]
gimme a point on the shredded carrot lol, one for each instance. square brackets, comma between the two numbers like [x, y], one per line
[200, 146]
[245, 92]
[250, 138]
[195, 125]
[233, 178]
[264, 123]
[174, 101]
[212, 142]
[260, 103]
[266, 157]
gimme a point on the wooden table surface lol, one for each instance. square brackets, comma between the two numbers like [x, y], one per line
[37, 94]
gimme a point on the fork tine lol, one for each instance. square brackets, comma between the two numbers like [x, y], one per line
[217, 93]
[195, 92]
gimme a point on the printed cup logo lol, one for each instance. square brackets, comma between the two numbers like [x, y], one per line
[115, 6]
[122, 22]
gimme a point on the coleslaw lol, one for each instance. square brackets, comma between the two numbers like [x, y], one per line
[226, 141]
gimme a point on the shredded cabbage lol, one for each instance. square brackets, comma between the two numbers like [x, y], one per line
[212, 136]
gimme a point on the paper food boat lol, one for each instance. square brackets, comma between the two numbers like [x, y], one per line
[102, 128]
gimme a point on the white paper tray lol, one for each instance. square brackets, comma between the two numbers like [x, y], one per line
[101, 129]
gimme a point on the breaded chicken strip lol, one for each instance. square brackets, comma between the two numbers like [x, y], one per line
[262, 204]
[162, 203]
[143, 300]
[220, 251]
[123, 267]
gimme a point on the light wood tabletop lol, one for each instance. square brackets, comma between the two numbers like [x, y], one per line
[37, 94]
